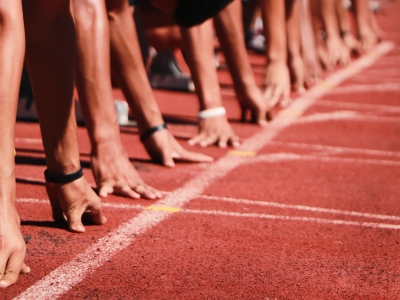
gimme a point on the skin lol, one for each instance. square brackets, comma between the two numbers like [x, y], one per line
[313, 68]
[198, 42]
[230, 34]
[110, 163]
[276, 88]
[345, 27]
[367, 28]
[50, 56]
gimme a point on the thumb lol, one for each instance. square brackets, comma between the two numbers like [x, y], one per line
[105, 189]
[75, 221]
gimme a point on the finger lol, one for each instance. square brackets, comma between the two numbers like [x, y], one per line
[234, 141]
[13, 269]
[145, 191]
[259, 118]
[126, 191]
[105, 189]
[74, 219]
[210, 140]
[56, 209]
[25, 269]
[268, 91]
[188, 156]
[196, 140]
[273, 101]
[96, 213]
[223, 141]
[167, 160]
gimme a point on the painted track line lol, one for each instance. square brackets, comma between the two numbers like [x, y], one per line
[69, 274]
[240, 201]
[302, 208]
[362, 88]
[287, 218]
[336, 149]
[359, 106]
[170, 210]
[282, 156]
[345, 115]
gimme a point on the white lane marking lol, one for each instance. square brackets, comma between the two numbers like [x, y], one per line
[287, 218]
[243, 201]
[302, 208]
[336, 149]
[368, 88]
[359, 106]
[28, 140]
[346, 115]
[281, 156]
[68, 275]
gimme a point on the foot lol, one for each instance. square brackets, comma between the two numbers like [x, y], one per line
[215, 131]
[114, 173]
[72, 200]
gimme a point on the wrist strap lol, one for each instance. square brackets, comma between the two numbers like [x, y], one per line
[149, 132]
[212, 112]
[63, 178]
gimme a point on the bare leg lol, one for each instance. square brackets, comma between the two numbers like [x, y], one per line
[198, 43]
[50, 59]
[110, 163]
[130, 72]
[277, 78]
[12, 43]
[230, 34]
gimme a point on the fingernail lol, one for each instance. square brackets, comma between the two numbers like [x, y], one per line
[203, 144]
[3, 284]
[222, 145]
[103, 194]
[190, 143]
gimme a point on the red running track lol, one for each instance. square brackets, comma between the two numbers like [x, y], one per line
[307, 208]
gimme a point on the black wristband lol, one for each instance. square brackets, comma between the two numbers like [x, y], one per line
[152, 130]
[63, 178]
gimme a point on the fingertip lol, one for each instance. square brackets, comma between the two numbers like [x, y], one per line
[3, 284]
[190, 142]
[77, 228]
[222, 144]
[25, 269]
[203, 144]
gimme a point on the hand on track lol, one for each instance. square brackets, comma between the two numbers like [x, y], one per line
[73, 200]
[276, 88]
[12, 249]
[215, 130]
[114, 173]
[163, 148]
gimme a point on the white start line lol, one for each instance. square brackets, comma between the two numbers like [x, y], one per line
[69, 274]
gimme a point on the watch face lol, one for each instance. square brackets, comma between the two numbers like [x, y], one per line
[189, 13]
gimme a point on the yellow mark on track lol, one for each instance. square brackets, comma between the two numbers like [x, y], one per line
[242, 153]
[290, 113]
[326, 85]
[163, 208]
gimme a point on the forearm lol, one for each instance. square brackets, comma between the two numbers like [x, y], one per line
[93, 78]
[275, 30]
[50, 59]
[230, 34]
[129, 69]
[199, 47]
[293, 29]
[329, 18]
[12, 44]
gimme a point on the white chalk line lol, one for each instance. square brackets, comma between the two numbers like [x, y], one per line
[359, 106]
[69, 274]
[263, 216]
[336, 149]
[283, 156]
[346, 116]
[367, 88]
